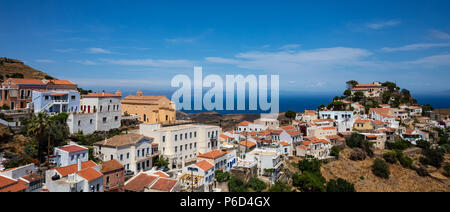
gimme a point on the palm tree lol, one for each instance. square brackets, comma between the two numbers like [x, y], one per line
[41, 126]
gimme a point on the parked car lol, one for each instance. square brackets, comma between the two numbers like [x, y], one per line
[129, 172]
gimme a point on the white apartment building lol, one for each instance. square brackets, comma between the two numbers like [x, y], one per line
[98, 112]
[69, 154]
[343, 120]
[266, 159]
[182, 143]
[246, 126]
[80, 177]
[135, 152]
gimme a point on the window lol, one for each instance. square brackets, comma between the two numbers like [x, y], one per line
[73, 97]
[181, 137]
[121, 157]
[209, 134]
[176, 149]
[90, 121]
[148, 150]
[176, 137]
[181, 148]
[104, 120]
[185, 135]
[72, 157]
[164, 138]
[185, 146]
[138, 153]
[79, 122]
[190, 146]
[128, 155]
[116, 118]
[190, 135]
[112, 157]
[195, 134]
[195, 145]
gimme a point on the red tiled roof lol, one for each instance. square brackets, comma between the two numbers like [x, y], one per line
[303, 147]
[362, 121]
[101, 95]
[62, 82]
[205, 165]
[288, 128]
[244, 123]
[328, 128]
[4, 181]
[66, 170]
[140, 182]
[164, 184]
[90, 174]
[212, 155]
[294, 132]
[160, 173]
[72, 148]
[247, 143]
[284, 143]
[367, 85]
[111, 165]
[27, 81]
[20, 185]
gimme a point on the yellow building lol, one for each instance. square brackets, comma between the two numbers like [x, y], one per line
[362, 125]
[150, 109]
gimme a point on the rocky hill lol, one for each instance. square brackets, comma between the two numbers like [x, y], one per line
[400, 180]
[12, 67]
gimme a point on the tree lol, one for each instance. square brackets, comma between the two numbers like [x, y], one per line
[221, 176]
[321, 107]
[161, 161]
[351, 84]
[337, 105]
[335, 151]
[290, 114]
[236, 185]
[399, 144]
[358, 96]
[40, 127]
[423, 144]
[340, 185]
[309, 182]
[310, 164]
[279, 187]
[380, 168]
[5, 107]
[434, 156]
[391, 86]
[256, 184]
[390, 157]
[347, 93]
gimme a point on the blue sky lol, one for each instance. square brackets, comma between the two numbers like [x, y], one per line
[315, 47]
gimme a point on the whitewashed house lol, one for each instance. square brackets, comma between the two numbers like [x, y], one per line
[69, 154]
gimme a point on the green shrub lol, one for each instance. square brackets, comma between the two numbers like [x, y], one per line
[279, 187]
[447, 169]
[434, 156]
[335, 151]
[236, 185]
[256, 184]
[380, 168]
[390, 157]
[221, 176]
[340, 185]
[309, 182]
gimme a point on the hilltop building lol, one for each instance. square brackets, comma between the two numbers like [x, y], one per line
[150, 109]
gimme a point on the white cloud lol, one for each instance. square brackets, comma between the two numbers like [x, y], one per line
[84, 62]
[44, 61]
[150, 62]
[298, 61]
[95, 50]
[290, 46]
[432, 61]
[65, 50]
[381, 25]
[189, 39]
[439, 34]
[417, 46]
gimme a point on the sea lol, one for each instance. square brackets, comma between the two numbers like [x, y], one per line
[304, 101]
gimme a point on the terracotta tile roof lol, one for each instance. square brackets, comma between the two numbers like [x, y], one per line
[275, 132]
[160, 173]
[4, 181]
[111, 165]
[362, 121]
[303, 147]
[90, 174]
[32, 177]
[66, 170]
[307, 143]
[96, 95]
[123, 140]
[284, 143]
[225, 136]
[310, 112]
[333, 137]
[164, 184]
[244, 123]
[62, 82]
[367, 85]
[360, 89]
[323, 120]
[21, 81]
[212, 155]
[140, 182]
[72, 148]
[378, 122]
[294, 132]
[248, 143]
[18, 186]
[205, 165]
[288, 128]
[328, 128]
[316, 140]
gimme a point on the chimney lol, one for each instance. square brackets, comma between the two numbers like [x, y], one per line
[79, 164]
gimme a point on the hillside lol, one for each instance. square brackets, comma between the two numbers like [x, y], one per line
[400, 180]
[12, 66]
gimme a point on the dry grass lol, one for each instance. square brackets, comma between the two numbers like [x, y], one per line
[400, 180]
